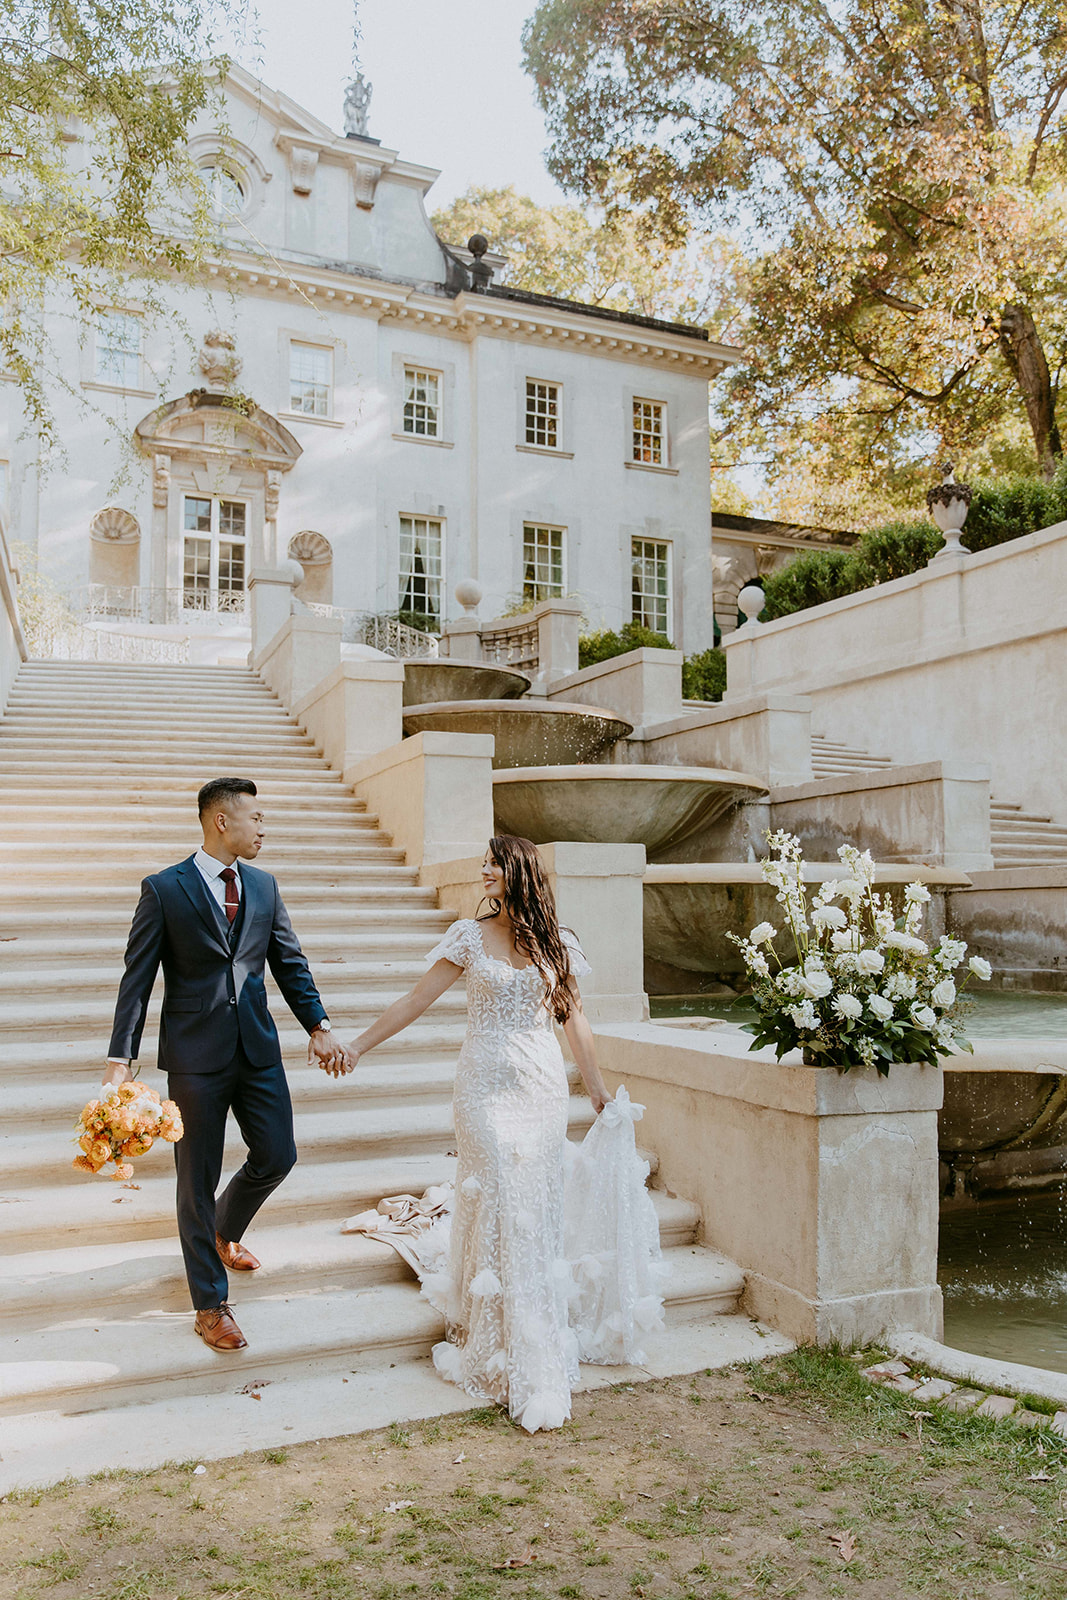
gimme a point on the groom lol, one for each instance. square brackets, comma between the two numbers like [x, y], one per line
[212, 926]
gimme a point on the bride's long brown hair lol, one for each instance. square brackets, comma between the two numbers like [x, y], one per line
[531, 905]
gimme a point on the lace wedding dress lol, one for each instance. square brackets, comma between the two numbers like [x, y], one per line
[547, 1253]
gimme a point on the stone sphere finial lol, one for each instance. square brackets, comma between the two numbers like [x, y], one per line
[469, 594]
[751, 601]
[477, 244]
[948, 503]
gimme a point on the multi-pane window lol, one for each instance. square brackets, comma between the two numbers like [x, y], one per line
[651, 584]
[542, 562]
[213, 553]
[226, 195]
[422, 403]
[649, 432]
[542, 413]
[421, 549]
[118, 350]
[310, 379]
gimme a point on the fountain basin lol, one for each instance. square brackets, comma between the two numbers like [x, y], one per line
[528, 733]
[429, 681]
[655, 806]
[690, 908]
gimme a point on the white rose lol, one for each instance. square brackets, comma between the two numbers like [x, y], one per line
[828, 917]
[908, 942]
[880, 1007]
[817, 985]
[870, 961]
[981, 968]
[943, 994]
[917, 894]
[846, 1005]
[763, 933]
[845, 940]
[924, 1016]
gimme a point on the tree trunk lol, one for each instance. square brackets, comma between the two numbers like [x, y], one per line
[1021, 348]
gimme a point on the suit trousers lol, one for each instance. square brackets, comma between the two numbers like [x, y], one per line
[259, 1099]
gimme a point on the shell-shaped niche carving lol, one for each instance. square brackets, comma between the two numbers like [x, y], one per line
[310, 549]
[115, 526]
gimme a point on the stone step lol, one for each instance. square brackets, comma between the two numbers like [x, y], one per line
[173, 801]
[170, 843]
[171, 773]
[1028, 833]
[344, 867]
[48, 1011]
[376, 909]
[33, 1160]
[85, 1056]
[53, 1102]
[59, 948]
[122, 714]
[93, 980]
[80, 1210]
[1029, 854]
[147, 1276]
[122, 1359]
[157, 746]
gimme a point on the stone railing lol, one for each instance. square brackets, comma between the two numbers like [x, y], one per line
[380, 632]
[145, 603]
[13, 649]
[542, 642]
[515, 645]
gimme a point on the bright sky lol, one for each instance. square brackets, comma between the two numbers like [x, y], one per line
[449, 91]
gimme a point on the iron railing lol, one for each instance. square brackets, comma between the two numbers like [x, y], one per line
[383, 633]
[74, 642]
[144, 603]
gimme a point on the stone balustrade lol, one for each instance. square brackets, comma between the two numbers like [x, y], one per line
[13, 648]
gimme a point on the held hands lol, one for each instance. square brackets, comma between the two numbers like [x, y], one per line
[329, 1054]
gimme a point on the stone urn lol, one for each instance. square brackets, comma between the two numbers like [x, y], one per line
[948, 503]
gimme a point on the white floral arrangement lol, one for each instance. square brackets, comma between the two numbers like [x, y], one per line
[866, 989]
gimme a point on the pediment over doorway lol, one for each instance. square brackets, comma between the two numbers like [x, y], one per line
[206, 425]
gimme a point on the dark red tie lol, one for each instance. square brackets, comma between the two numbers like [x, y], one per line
[233, 899]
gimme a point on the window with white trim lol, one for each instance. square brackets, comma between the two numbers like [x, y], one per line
[421, 568]
[543, 406]
[422, 403]
[310, 379]
[542, 562]
[213, 553]
[118, 350]
[227, 195]
[649, 432]
[650, 562]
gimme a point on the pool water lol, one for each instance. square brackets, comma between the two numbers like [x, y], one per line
[1002, 1267]
[990, 1015]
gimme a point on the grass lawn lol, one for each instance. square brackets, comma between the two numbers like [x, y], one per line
[790, 1478]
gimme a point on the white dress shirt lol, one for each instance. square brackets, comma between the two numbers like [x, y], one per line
[211, 871]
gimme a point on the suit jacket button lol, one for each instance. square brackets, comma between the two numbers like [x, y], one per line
[233, 1002]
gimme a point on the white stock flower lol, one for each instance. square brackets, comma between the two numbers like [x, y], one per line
[804, 1015]
[917, 894]
[944, 1034]
[757, 963]
[763, 933]
[828, 917]
[846, 939]
[884, 923]
[900, 986]
[870, 961]
[924, 1016]
[943, 994]
[846, 1005]
[950, 952]
[880, 1007]
[816, 985]
[850, 889]
[980, 967]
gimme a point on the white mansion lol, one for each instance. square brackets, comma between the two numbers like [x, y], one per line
[344, 389]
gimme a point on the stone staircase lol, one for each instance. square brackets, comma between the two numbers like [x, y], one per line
[1019, 838]
[99, 1366]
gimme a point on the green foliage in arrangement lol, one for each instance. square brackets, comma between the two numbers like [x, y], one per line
[999, 512]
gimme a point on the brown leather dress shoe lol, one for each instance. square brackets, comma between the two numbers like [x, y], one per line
[235, 1256]
[218, 1329]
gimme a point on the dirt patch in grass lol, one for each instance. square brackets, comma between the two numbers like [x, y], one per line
[791, 1478]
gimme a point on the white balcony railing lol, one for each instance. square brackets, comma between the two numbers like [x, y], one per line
[167, 607]
[383, 633]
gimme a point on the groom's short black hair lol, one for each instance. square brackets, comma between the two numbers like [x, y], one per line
[222, 792]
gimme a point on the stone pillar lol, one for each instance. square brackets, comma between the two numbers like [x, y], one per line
[558, 622]
[644, 686]
[271, 599]
[355, 711]
[461, 640]
[434, 794]
[598, 890]
[822, 1187]
[304, 651]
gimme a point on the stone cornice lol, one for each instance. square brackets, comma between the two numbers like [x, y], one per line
[470, 316]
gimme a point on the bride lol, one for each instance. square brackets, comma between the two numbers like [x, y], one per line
[528, 1284]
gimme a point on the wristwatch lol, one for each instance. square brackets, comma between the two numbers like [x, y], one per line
[323, 1026]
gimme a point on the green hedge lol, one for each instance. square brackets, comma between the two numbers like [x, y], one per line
[998, 512]
[703, 675]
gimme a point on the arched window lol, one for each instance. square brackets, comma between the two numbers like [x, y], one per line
[228, 193]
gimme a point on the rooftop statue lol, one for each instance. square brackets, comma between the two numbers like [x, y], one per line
[357, 104]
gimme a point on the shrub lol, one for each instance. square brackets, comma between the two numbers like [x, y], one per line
[704, 676]
[602, 646]
[999, 512]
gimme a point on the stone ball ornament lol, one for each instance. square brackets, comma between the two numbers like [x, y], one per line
[948, 503]
[751, 601]
[468, 593]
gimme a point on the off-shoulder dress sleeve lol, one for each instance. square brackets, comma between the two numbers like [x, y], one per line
[455, 946]
[579, 965]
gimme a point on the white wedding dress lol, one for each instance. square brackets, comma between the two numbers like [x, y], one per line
[548, 1253]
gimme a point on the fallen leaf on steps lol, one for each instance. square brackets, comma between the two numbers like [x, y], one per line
[844, 1543]
[527, 1559]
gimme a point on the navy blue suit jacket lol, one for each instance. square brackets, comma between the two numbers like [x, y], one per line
[215, 998]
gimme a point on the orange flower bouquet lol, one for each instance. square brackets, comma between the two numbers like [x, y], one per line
[125, 1122]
